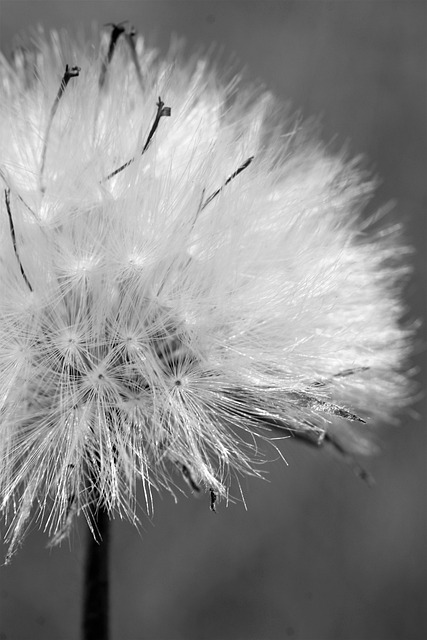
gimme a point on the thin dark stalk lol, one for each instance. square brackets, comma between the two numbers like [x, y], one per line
[131, 43]
[229, 179]
[70, 72]
[161, 111]
[12, 233]
[116, 32]
[96, 580]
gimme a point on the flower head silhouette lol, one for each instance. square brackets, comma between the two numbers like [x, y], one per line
[180, 276]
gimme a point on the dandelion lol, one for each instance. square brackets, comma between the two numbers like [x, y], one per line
[182, 277]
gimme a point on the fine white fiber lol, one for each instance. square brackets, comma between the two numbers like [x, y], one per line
[181, 277]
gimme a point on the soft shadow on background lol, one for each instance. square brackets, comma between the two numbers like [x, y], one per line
[318, 555]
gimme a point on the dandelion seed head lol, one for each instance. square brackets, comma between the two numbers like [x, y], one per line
[180, 278]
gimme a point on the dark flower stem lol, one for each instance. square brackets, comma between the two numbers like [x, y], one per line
[96, 582]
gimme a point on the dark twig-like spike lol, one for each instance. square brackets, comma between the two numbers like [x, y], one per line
[161, 111]
[116, 171]
[116, 32]
[64, 530]
[349, 459]
[229, 179]
[68, 74]
[27, 206]
[131, 43]
[12, 233]
[340, 374]
[320, 439]
[213, 499]
[350, 372]
[245, 406]
[199, 208]
[189, 478]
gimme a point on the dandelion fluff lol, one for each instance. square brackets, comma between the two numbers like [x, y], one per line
[180, 277]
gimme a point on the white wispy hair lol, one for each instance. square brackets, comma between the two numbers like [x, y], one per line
[180, 277]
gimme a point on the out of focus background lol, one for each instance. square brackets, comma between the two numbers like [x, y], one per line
[318, 555]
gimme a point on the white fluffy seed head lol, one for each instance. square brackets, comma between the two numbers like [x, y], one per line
[157, 317]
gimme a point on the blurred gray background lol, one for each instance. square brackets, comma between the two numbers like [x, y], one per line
[318, 555]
